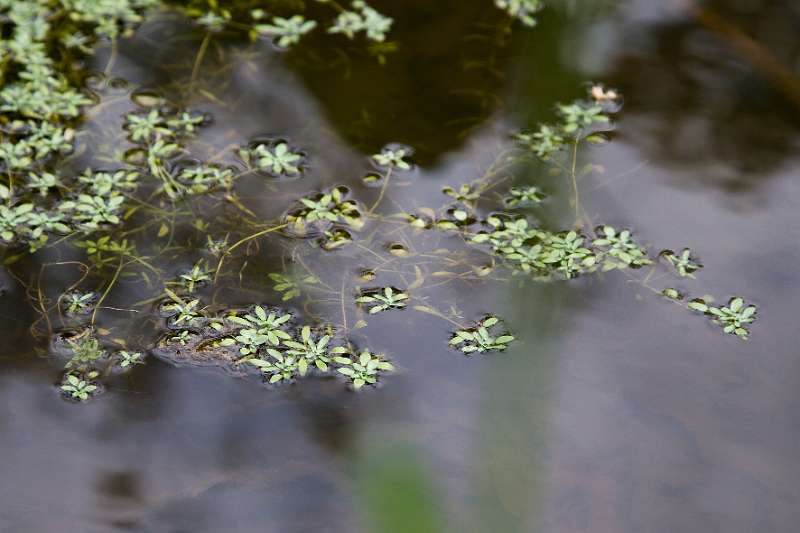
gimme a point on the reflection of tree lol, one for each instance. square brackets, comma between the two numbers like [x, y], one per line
[717, 89]
[445, 78]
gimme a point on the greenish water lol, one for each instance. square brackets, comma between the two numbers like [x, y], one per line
[613, 410]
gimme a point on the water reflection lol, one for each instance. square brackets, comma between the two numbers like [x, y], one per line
[716, 90]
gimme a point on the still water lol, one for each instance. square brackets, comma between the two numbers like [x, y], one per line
[613, 411]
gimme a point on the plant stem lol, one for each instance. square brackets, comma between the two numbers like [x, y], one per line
[108, 289]
[112, 58]
[382, 193]
[574, 176]
[341, 300]
[198, 60]
[242, 241]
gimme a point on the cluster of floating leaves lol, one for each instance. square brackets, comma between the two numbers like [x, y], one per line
[383, 299]
[88, 361]
[733, 318]
[567, 254]
[265, 338]
[480, 339]
[564, 254]
[359, 19]
[330, 214]
[38, 107]
[270, 341]
[275, 158]
[524, 10]
[38, 111]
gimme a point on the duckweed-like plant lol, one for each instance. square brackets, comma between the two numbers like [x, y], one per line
[198, 275]
[160, 184]
[260, 328]
[286, 31]
[383, 299]
[161, 134]
[325, 209]
[393, 158]
[684, 264]
[80, 387]
[524, 10]
[289, 286]
[620, 249]
[85, 352]
[361, 18]
[733, 318]
[180, 311]
[79, 303]
[126, 359]
[310, 350]
[524, 196]
[479, 339]
[202, 178]
[277, 366]
[466, 194]
[277, 159]
[365, 369]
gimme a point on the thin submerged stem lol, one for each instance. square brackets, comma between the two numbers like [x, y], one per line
[198, 60]
[341, 300]
[384, 186]
[435, 312]
[574, 177]
[112, 58]
[242, 241]
[111, 284]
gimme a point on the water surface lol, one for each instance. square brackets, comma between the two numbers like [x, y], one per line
[615, 411]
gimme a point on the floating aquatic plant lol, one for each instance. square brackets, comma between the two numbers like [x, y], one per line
[684, 264]
[276, 366]
[289, 286]
[672, 293]
[126, 359]
[524, 10]
[277, 159]
[733, 318]
[310, 350]
[261, 327]
[105, 250]
[361, 18]
[383, 299]
[212, 21]
[202, 178]
[537, 251]
[92, 212]
[364, 369]
[198, 275]
[182, 337]
[180, 311]
[620, 249]
[79, 386]
[393, 158]
[479, 339]
[330, 207]
[40, 109]
[161, 134]
[286, 31]
[79, 303]
[109, 183]
[85, 351]
[466, 194]
[522, 196]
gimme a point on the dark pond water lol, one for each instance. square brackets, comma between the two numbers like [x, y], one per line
[613, 411]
